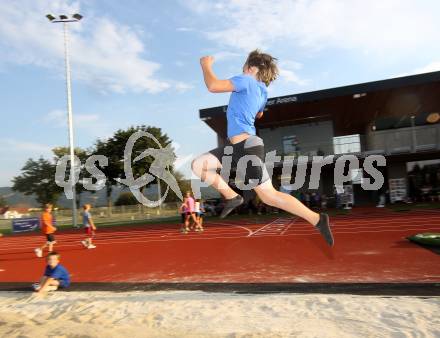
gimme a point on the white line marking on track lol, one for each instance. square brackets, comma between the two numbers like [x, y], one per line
[276, 228]
[266, 226]
[141, 240]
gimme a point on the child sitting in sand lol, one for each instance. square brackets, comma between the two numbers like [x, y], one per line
[55, 276]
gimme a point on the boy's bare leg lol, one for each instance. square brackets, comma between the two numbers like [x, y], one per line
[42, 280]
[286, 202]
[205, 167]
[50, 247]
[49, 284]
[272, 197]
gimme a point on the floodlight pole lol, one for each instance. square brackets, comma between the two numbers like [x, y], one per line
[70, 123]
[65, 20]
[159, 193]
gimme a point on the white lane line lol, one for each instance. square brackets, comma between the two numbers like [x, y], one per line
[248, 230]
[288, 226]
[36, 240]
[184, 238]
[335, 222]
[146, 233]
[298, 227]
[265, 226]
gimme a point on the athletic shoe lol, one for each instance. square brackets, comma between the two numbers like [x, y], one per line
[91, 246]
[36, 286]
[84, 243]
[231, 204]
[39, 252]
[323, 227]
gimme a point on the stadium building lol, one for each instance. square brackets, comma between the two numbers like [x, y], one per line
[398, 118]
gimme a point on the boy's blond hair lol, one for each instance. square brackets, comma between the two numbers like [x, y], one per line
[86, 206]
[53, 253]
[266, 64]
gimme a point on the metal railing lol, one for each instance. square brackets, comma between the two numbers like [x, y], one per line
[125, 213]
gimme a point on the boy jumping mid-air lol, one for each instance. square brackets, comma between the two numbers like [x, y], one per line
[247, 101]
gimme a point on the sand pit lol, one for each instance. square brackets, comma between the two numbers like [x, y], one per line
[199, 314]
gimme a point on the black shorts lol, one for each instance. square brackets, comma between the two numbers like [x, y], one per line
[50, 238]
[247, 158]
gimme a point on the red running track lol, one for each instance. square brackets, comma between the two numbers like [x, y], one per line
[370, 246]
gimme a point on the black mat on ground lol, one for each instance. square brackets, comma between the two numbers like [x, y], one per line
[380, 289]
[434, 249]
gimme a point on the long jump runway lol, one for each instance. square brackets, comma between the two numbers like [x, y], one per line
[370, 247]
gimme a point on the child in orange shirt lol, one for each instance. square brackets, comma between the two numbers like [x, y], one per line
[47, 229]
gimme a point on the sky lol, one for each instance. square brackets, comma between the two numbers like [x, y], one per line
[137, 62]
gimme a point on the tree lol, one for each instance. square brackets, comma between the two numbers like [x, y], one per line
[82, 155]
[126, 198]
[113, 149]
[108, 149]
[3, 202]
[184, 185]
[38, 178]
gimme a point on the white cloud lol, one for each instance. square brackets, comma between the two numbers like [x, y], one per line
[184, 29]
[59, 118]
[183, 87]
[92, 124]
[288, 73]
[431, 67]
[290, 76]
[9, 145]
[225, 55]
[377, 27]
[104, 53]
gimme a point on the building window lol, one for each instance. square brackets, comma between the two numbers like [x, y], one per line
[347, 144]
[357, 176]
[290, 145]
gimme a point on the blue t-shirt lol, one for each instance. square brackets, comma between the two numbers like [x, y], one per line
[248, 98]
[59, 273]
[86, 219]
